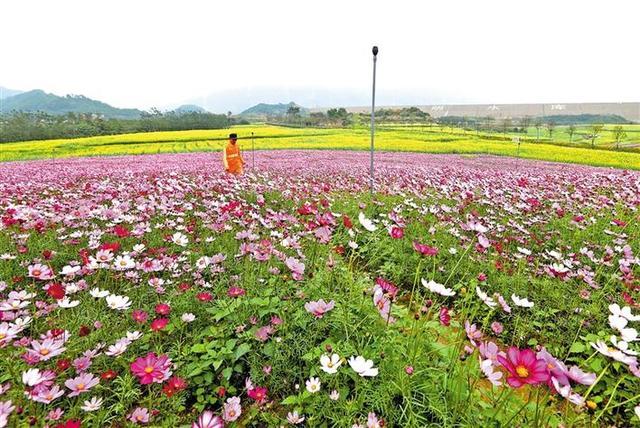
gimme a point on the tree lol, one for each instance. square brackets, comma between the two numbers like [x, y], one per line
[596, 128]
[293, 111]
[571, 130]
[506, 124]
[618, 135]
[525, 123]
[551, 126]
[538, 125]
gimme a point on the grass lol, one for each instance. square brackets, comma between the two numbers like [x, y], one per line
[388, 138]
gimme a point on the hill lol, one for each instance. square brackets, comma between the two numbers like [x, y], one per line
[6, 92]
[263, 110]
[40, 101]
[189, 108]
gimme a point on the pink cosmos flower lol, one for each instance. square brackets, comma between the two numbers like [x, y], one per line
[152, 368]
[473, 334]
[424, 249]
[48, 349]
[139, 316]
[232, 409]
[396, 232]
[556, 368]
[163, 309]
[524, 367]
[496, 327]
[139, 416]
[235, 292]
[208, 420]
[319, 308]
[296, 267]
[263, 333]
[82, 383]
[383, 304]
[445, 318]
[159, 324]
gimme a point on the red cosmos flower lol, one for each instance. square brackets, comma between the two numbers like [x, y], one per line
[482, 277]
[524, 367]
[55, 332]
[63, 364]
[258, 393]
[56, 291]
[159, 324]
[163, 309]
[424, 249]
[222, 391]
[347, 221]
[396, 232]
[387, 286]
[174, 384]
[205, 296]
[113, 246]
[108, 375]
[84, 254]
[339, 249]
[139, 316]
[121, 231]
[235, 292]
[47, 254]
[445, 318]
[184, 287]
[71, 423]
[84, 331]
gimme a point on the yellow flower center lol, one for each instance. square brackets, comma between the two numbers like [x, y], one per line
[232, 413]
[148, 369]
[522, 371]
[2, 336]
[80, 386]
[36, 272]
[44, 352]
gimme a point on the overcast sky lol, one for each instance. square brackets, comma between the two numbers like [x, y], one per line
[161, 53]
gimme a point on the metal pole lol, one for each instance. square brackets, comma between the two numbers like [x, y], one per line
[373, 109]
[253, 152]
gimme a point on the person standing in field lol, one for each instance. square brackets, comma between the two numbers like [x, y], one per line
[231, 157]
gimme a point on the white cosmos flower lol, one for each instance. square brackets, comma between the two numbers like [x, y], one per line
[565, 391]
[614, 353]
[123, 263]
[119, 303]
[138, 248]
[117, 348]
[629, 334]
[32, 377]
[98, 293]
[313, 384]
[485, 298]
[188, 317]
[366, 223]
[622, 345]
[637, 411]
[363, 367]
[435, 287]
[523, 302]
[617, 322]
[335, 395]
[330, 364]
[180, 239]
[70, 270]
[624, 312]
[353, 245]
[66, 303]
[133, 335]
[93, 405]
[524, 251]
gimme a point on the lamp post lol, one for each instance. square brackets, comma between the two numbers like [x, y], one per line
[373, 109]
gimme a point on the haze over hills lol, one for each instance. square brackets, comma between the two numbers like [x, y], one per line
[263, 110]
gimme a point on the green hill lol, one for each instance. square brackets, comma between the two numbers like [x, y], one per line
[6, 92]
[40, 101]
[189, 108]
[264, 110]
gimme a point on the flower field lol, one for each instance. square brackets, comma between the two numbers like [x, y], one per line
[467, 291]
[389, 137]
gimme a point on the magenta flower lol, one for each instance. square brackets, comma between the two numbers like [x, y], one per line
[152, 368]
[396, 232]
[208, 420]
[81, 383]
[424, 249]
[445, 318]
[236, 292]
[524, 367]
[319, 308]
[139, 316]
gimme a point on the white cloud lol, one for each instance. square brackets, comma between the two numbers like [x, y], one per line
[156, 53]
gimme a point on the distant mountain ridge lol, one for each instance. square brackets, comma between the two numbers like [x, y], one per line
[6, 92]
[189, 108]
[280, 109]
[39, 101]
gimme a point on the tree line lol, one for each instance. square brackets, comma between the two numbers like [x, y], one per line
[24, 126]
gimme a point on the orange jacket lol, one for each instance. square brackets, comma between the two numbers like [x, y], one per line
[232, 159]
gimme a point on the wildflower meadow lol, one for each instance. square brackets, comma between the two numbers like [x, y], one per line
[156, 290]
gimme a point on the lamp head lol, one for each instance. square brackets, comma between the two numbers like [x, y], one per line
[375, 50]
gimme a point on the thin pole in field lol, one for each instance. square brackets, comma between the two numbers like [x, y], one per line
[373, 108]
[253, 152]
